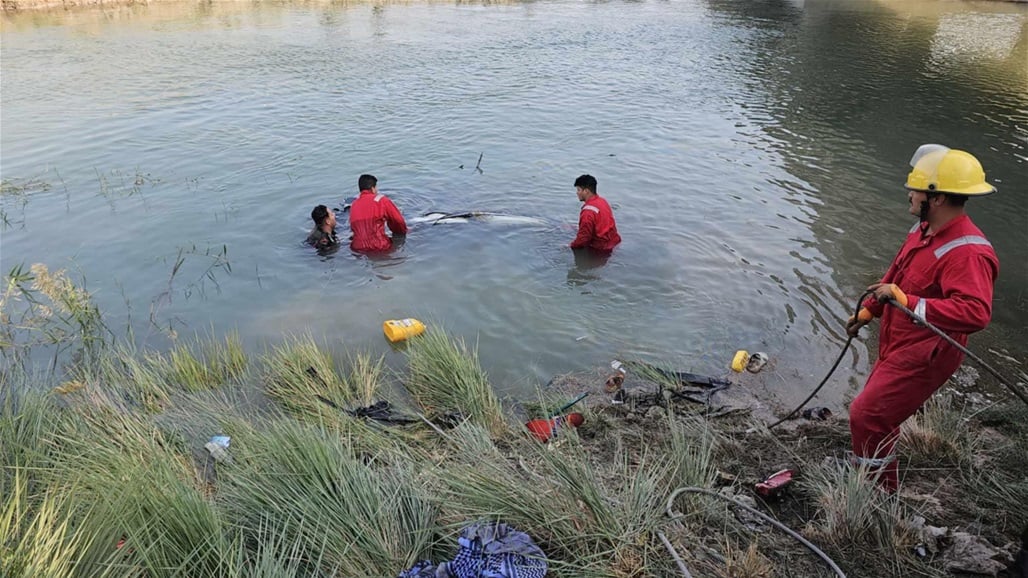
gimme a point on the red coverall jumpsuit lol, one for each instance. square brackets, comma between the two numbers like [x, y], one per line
[369, 214]
[948, 278]
[596, 228]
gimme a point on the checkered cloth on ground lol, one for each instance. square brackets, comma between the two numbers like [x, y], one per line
[487, 550]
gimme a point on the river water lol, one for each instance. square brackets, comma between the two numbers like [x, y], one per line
[754, 153]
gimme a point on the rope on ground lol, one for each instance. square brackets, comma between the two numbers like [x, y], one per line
[694, 490]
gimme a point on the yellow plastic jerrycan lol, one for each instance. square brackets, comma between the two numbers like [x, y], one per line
[739, 361]
[400, 329]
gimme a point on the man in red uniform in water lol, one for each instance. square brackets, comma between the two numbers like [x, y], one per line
[369, 215]
[944, 272]
[596, 228]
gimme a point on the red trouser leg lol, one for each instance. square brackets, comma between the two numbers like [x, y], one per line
[894, 392]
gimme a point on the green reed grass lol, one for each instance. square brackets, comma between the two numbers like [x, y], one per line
[204, 364]
[312, 483]
[446, 376]
[365, 378]
[298, 371]
[136, 482]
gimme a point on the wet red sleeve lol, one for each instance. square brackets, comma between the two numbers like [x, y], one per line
[394, 219]
[586, 229]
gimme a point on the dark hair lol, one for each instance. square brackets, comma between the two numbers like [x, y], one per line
[366, 182]
[319, 214]
[956, 200]
[586, 182]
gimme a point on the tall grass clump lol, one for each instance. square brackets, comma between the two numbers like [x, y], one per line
[585, 525]
[297, 372]
[28, 422]
[135, 483]
[366, 517]
[365, 377]
[940, 435]
[692, 444]
[121, 367]
[204, 364]
[446, 376]
[37, 537]
[855, 517]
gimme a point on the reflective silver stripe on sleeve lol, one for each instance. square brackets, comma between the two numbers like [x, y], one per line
[960, 242]
[916, 226]
[591, 208]
[920, 309]
[378, 197]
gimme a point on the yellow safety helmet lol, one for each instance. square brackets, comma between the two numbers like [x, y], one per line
[939, 169]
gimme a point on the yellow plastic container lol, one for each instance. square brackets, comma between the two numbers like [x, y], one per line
[400, 329]
[740, 360]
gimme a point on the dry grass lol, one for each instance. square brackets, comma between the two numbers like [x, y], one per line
[940, 435]
[746, 562]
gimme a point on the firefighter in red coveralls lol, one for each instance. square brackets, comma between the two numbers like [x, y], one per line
[944, 272]
[596, 228]
[369, 215]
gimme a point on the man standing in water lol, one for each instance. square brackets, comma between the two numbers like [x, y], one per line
[944, 272]
[369, 215]
[596, 228]
[323, 235]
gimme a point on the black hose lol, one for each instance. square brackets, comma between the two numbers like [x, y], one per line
[963, 349]
[838, 360]
[920, 321]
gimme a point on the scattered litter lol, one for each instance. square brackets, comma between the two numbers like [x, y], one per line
[546, 429]
[724, 478]
[751, 363]
[619, 397]
[775, 484]
[218, 448]
[929, 537]
[487, 550]
[614, 383]
[1004, 357]
[581, 338]
[974, 555]
[618, 366]
[745, 517]
[757, 362]
[817, 413]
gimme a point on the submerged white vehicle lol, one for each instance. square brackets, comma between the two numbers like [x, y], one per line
[436, 218]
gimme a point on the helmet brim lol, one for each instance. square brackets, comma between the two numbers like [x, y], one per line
[980, 190]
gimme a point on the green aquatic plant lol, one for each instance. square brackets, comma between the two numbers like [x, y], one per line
[40, 308]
